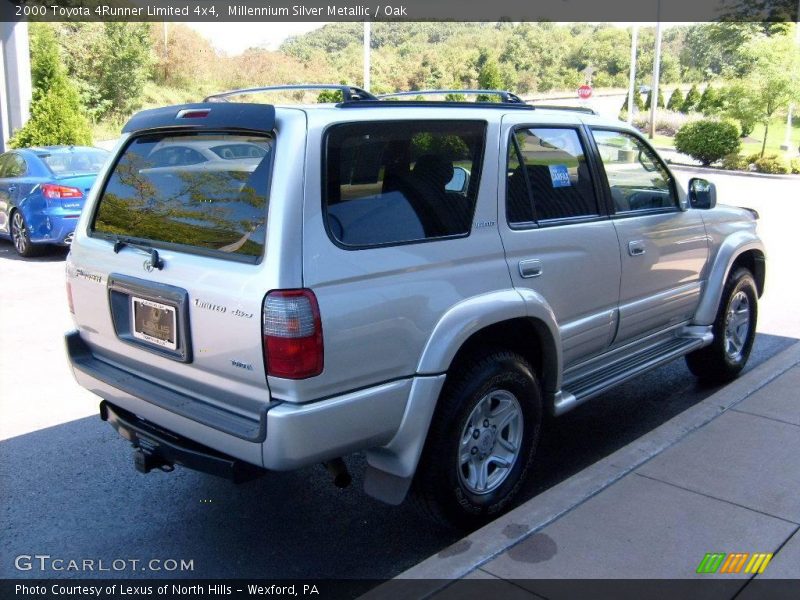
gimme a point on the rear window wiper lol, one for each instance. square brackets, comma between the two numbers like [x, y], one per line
[155, 259]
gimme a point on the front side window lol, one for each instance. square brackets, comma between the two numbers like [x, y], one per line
[636, 176]
[401, 181]
[548, 177]
[174, 189]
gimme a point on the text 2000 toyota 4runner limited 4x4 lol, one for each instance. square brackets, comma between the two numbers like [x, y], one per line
[258, 287]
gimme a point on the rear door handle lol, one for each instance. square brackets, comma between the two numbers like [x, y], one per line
[636, 248]
[11, 188]
[530, 268]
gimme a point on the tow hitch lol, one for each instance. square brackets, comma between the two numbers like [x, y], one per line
[156, 448]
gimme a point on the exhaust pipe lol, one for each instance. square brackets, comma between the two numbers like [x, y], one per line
[338, 470]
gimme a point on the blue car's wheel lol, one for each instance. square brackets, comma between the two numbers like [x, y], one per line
[20, 237]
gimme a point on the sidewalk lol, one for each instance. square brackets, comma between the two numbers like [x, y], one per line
[721, 477]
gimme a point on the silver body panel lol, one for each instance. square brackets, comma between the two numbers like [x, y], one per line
[394, 317]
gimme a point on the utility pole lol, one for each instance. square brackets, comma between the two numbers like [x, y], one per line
[367, 58]
[166, 50]
[632, 78]
[654, 87]
[787, 141]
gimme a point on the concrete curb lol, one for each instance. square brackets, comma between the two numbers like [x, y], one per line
[483, 545]
[685, 167]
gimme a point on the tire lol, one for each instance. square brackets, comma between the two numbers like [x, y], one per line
[452, 487]
[725, 358]
[20, 237]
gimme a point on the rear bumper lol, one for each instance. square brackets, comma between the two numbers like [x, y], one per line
[289, 436]
[56, 228]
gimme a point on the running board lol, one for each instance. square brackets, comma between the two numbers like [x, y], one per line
[587, 386]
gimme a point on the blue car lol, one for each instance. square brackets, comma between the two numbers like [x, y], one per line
[42, 191]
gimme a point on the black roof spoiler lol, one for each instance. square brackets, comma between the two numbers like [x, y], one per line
[205, 115]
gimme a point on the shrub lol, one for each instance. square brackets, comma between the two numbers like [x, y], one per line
[57, 116]
[751, 158]
[659, 102]
[735, 162]
[707, 140]
[794, 166]
[772, 164]
[710, 101]
[692, 100]
[675, 100]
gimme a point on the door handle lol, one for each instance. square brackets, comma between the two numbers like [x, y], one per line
[636, 248]
[11, 188]
[530, 268]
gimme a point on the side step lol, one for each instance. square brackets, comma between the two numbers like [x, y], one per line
[579, 390]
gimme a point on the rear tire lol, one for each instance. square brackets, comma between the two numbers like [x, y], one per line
[734, 332]
[20, 237]
[482, 441]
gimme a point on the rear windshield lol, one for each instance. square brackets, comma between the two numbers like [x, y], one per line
[179, 189]
[75, 161]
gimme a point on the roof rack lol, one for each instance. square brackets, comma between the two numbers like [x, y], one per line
[505, 96]
[349, 93]
[580, 109]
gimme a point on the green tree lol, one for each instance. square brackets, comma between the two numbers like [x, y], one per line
[774, 79]
[489, 79]
[56, 113]
[125, 65]
[692, 100]
[741, 106]
[675, 100]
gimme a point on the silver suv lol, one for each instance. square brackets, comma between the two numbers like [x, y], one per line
[260, 287]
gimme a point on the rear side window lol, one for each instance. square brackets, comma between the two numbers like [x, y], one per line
[401, 181]
[175, 189]
[548, 177]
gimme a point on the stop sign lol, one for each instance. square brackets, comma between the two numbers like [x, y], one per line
[585, 92]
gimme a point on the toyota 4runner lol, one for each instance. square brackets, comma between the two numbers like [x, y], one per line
[259, 287]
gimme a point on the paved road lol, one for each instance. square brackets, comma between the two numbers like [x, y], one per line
[69, 488]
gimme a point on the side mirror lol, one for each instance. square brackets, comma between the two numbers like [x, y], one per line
[702, 193]
[459, 182]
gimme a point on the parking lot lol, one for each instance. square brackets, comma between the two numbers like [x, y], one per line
[70, 490]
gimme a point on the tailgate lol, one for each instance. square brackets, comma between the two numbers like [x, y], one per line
[169, 284]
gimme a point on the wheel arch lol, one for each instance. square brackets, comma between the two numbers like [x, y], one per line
[744, 249]
[518, 320]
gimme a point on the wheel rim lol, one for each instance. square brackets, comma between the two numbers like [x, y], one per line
[490, 442]
[737, 326]
[18, 233]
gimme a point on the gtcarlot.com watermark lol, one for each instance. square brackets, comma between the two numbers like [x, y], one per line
[47, 563]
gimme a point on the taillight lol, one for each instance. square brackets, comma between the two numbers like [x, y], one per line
[53, 191]
[292, 334]
[69, 299]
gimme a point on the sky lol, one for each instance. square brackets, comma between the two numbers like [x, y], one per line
[235, 38]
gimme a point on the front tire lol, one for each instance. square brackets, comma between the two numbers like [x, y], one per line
[734, 332]
[20, 237]
[482, 441]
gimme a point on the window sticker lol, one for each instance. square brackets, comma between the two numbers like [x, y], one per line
[559, 175]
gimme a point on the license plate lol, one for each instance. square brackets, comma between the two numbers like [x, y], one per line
[154, 322]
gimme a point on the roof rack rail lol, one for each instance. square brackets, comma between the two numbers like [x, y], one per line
[580, 109]
[350, 93]
[505, 96]
[433, 104]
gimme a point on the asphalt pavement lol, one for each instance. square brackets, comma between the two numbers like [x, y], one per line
[70, 489]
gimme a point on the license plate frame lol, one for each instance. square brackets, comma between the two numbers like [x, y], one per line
[154, 323]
